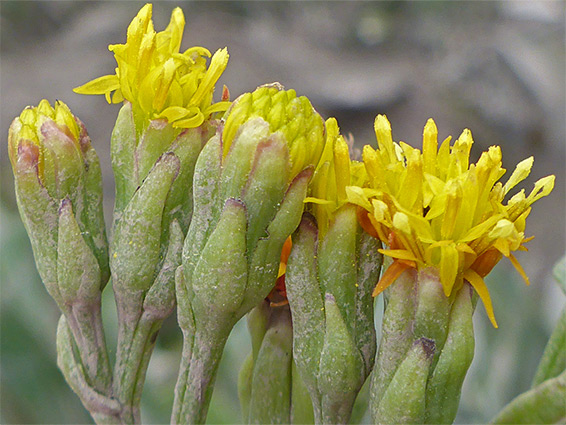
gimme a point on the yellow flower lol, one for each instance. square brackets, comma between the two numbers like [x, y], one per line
[434, 209]
[287, 114]
[56, 145]
[335, 171]
[159, 81]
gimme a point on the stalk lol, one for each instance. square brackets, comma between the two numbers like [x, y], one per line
[199, 365]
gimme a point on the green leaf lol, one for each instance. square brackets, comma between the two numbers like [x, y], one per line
[553, 360]
[266, 186]
[270, 401]
[307, 307]
[404, 400]
[122, 150]
[342, 371]
[559, 272]
[337, 263]
[445, 383]
[544, 404]
[136, 244]
[396, 333]
[78, 273]
[220, 276]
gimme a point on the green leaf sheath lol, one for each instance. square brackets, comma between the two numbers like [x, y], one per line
[404, 400]
[397, 336]
[445, 383]
[270, 401]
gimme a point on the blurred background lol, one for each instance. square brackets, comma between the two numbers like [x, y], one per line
[497, 68]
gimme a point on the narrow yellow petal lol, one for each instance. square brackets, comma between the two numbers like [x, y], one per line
[430, 146]
[390, 275]
[384, 139]
[341, 167]
[356, 196]
[217, 66]
[521, 172]
[400, 254]
[519, 268]
[479, 285]
[452, 209]
[100, 85]
[449, 259]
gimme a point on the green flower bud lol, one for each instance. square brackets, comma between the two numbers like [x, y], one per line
[247, 200]
[329, 284]
[445, 383]
[250, 182]
[59, 193]
[291, 116]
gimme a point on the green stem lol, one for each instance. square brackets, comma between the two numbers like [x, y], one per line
[136, 339]
[197, 374]
[85, 323]
[102, 407]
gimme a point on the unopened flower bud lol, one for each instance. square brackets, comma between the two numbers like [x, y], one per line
[59, 193]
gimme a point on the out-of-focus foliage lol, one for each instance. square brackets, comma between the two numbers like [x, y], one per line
[495, 67]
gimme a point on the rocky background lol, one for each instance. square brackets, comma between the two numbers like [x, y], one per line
[497, 68]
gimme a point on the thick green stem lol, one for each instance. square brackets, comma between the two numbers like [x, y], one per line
[199, 365]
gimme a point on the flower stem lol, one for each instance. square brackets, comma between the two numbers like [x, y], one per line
[201, 356]
[85, 323]
[137, 333]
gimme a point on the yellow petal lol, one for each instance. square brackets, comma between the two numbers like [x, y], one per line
[521, 172]
[390, 275]
[400, 254]
[430, 146]
[382, 129]
[100, 85]
[356, 195]
[449, 259]
[519, 268]
[479, 285]
[341, 167]
[217, 66]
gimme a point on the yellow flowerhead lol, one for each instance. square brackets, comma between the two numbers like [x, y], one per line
[434, 209]
[159, 81]
[334, 172]
[291, 116]
[51, 138]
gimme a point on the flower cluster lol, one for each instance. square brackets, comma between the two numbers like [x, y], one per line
[159, 81]
[435, 209]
